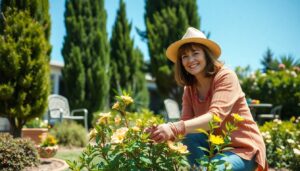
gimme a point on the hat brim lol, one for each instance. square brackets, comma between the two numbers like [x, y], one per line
[172, 50]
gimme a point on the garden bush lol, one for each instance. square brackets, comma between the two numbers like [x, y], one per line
[282, 143]
[277, 87]
[122, 143]
[69, 133]
[16, 154]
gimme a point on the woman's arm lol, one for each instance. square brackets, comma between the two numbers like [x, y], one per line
[202, 121]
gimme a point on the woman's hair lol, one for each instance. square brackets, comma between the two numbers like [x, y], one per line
[182, 77]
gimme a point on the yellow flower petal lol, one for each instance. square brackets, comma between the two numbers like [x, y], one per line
[237, 117]
[216, 118]
[216, 139]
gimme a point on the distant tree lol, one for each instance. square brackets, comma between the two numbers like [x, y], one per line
[86, 55]
[243, 72]
[38, 10]
[126, 61]
[268, 61]
[289, 61]
[166, 21]
[24, 69]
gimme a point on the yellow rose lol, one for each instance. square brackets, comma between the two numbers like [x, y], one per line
[127, 99]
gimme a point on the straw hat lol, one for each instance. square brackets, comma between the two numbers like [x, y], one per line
[192, 35]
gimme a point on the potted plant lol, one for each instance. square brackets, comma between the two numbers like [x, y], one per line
[34, 129]
[48, 147]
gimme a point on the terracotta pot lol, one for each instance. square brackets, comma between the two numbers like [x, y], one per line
[35, 134]
[47, 152]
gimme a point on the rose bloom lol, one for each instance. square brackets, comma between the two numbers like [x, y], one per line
[290, 141]
[119, 135]
[296, 151]
[135, 128]
[116, 106]
[127, 99]
[179, 147]
[103, 117]
[92, 134]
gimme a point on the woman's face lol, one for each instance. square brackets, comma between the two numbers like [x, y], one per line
[193, 61]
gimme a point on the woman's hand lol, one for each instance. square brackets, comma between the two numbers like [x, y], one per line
[162, 133]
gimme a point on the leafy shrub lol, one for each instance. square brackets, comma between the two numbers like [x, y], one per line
[69, 133]
[36, 123]
[282, 143]
[16, 154]
[218, 144]
[276, 87]
[121, 143]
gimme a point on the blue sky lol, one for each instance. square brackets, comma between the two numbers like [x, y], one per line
[243, 28]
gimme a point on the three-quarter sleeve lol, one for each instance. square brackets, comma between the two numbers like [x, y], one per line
[187, 109]
[226, 91]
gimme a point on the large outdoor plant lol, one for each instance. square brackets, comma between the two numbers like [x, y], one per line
[24, 69]
[218, 143]
[282, 143]
[279, 87]
[122, 144]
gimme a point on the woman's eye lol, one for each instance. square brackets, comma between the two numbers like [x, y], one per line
[196, 53]
[183, 57]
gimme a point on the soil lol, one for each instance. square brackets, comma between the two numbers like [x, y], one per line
[51, 164]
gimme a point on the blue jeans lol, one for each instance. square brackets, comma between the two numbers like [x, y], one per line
[194, 141]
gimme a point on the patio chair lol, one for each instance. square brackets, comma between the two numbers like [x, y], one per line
[58, 109]
[274, 114]
[172, 109]
[4, 125]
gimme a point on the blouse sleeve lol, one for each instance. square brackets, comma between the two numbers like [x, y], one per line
[226, 92]
[187, 109]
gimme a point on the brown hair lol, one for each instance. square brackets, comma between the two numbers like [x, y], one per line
[182, 77]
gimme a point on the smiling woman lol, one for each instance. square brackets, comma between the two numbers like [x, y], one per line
[211, 89]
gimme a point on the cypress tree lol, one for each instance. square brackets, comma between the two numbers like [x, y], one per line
[268, 61]
[24, 69]
[38, 10]
[126, 61]
[86, 55]
[166, 21]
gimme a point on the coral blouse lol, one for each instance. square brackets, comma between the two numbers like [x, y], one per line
[224, 98]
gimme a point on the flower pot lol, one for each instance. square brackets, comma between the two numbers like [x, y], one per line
[47, 152]
[35, 134]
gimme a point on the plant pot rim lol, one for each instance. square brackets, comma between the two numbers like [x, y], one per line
[35, 129]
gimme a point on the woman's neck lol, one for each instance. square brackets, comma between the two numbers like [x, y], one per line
[203, 81]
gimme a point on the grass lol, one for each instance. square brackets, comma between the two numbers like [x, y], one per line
[68, 154]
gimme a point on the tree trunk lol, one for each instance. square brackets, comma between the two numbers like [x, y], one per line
[15, 128]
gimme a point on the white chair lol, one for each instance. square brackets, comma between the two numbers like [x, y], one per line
[58, 109]
[4, 125]
[274, 114]
[172, 109]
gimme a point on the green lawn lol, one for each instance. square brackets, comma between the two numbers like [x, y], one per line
[71, 154]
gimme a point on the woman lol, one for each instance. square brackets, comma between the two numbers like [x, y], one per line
[210, 88]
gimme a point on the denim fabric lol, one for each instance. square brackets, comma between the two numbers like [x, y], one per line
[194, 141]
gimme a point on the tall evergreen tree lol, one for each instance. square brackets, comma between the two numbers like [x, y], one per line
[166, 21]
[86, 55]
[38, 10]
[268, 61]
[126, 62]
[24, 69]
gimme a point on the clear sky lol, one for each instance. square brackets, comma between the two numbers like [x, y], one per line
[243, 28]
